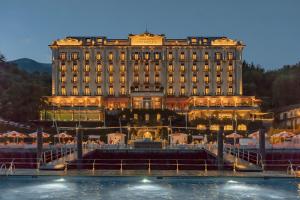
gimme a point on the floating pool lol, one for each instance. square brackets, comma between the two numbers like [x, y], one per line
[131, 188]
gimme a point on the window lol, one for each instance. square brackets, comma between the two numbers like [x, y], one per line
[158, 117]
[206, 78]
[111, 68]
[194, 90]
[157, 68]
[206, 91]
[75, 67]
[230, 91]
[170, 68]
[122, 68]
[194, 78]
[99, 67]
[136, 68]
[206, 56]
[99, 40]
[75, 91]
[157, 56]
[136, 56]
[242, 127]
[218, 68]
[63, 90]
[111, 79]
[147, 117]
[230, 56]
[194, 56]
[98, 56]
[218, 92]
[219, 80]
[147, 68]
[170, 79]
[228, 128]
[206, 67]
[86, 67]
[136, 78]
[99, 78]
[182, 91]
[122, 79]
[157, 78]
[194, 40]
[230, 79]
[182, 78]
[63, 78]
[111, 90]
[218, 56]
[86, 79]
[87, 90]
[110, 56]
[74, 56]
[63, 56]
[75, 78]
[170, 90]
[63, 67]
[182, 56]
[182, 67]
[147, 79]
[230, 68]
[194, 67]
[99, 90]
[87, 56]
[170, 56]
[122, 56]
[147, 56]
[123, 91]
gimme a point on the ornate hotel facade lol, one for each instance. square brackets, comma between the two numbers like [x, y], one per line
[201, 76]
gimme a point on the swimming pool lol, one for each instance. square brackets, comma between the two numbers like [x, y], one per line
[106, 188]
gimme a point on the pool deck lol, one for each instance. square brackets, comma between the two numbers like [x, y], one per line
[154, 173]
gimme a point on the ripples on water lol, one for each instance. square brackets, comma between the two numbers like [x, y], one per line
[147, 188]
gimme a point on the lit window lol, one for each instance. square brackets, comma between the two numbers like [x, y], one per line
[75, 79]
[182, 91]
[206, 67]
[87, 56]
[147, 117]
[75, 90]
[157, 68]
[230, 90]
[63, 67]
[147, 68]
[230, 56]
[86, 78]
[122, 79]
[170, 90]
[147, 79]
[157, 78]
[136, 68]
[87, 68]
[170, 68]
[99, 67]
[206, 91]
[214, 127]
[75, 67]
[230, 79]
[194, 79]
[122, 56]
[98, 56]
[182, 67]
[194, 67]
[111, 68]
[242, 127]
[136, 78]
[194, 56]
[170, 56]
[99, 90]
[157, 56]
[111, 90]
[110, 56]
[111, 79]
[170, 78]
[123, 91]
[230, 68]
[228, 128]
[182, 56]
[194, 40]
[87, 90]
[218, 67]
[206, 78]
[63, 56]
[218, 92]
[75, 56]
[147, 56]
[122, 68]
[219, 80]
[63, 78]
[99, 79]
[218, 56]
[136, 56]
[63, 90]
[206, 56]
[194, 90]
[158, 117]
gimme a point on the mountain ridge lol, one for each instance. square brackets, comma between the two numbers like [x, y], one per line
[30, 65]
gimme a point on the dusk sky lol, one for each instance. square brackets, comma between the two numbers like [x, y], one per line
[270, 29]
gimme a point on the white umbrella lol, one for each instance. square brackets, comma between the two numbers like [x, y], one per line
[34, 135]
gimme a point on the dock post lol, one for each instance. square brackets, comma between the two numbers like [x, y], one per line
[220, 148]
[79, 146]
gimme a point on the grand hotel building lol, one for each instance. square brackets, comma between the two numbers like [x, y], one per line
[201, 76]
